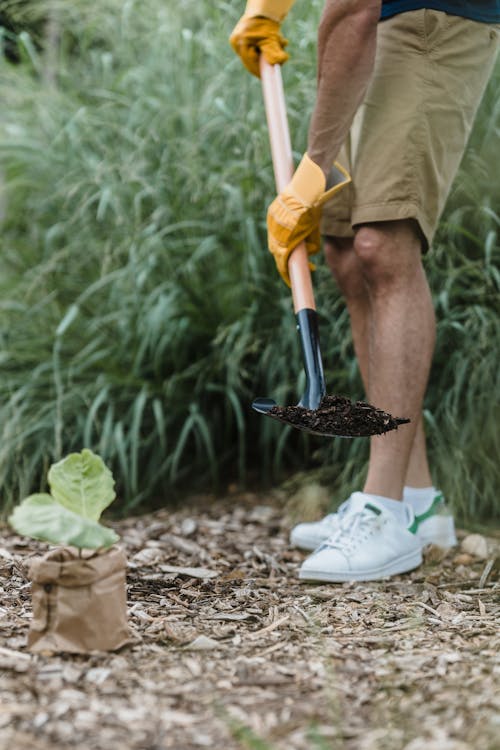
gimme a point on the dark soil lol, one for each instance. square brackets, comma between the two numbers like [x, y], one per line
[338, 415]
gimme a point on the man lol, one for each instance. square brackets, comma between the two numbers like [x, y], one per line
[399, 83]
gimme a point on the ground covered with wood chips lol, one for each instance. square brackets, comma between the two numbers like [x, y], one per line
[233, 652]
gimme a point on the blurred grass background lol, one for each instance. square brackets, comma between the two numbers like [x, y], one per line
[140, 312]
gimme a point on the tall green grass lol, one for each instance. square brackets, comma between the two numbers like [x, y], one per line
[139, 310]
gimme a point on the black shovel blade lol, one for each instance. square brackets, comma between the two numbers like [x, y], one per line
[336, 416]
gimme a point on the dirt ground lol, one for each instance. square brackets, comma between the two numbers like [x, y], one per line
[233, 652]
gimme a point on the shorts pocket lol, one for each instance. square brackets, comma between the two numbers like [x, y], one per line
[436, 24]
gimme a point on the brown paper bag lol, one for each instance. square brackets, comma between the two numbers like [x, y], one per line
[79, 603]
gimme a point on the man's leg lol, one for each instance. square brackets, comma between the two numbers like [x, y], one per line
[392, 319]
[418, 472]
[348, 270]
[401, 339]
[375, 535]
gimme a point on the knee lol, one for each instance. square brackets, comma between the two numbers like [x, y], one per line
[388, 251]
[344, 266]
[372, 247]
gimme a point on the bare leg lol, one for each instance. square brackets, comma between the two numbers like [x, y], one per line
[355, 282]
[347, 271]
[418, 473]
[401, 343]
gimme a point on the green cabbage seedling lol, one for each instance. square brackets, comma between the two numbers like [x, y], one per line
[81, 488]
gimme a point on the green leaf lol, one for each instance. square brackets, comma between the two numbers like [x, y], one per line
[82, 483]
[41, 517]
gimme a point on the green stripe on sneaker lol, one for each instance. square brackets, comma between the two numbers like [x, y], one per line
[431, 511]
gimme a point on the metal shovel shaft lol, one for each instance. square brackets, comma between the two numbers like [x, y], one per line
[307, 327]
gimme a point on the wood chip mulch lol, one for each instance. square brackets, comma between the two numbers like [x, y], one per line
[233, 652]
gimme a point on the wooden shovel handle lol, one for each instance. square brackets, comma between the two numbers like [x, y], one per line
[281, 152]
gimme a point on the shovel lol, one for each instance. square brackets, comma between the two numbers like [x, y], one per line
[331, 415]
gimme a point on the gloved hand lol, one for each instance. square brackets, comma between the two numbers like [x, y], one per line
[258, 32]
[295, 213]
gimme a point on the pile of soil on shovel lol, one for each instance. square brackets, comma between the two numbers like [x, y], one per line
[337, 415]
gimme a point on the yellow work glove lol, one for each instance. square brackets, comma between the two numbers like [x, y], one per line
[258, 32]
[295, 213]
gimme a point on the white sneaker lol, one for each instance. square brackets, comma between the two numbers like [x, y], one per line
[369, 543]
[435, 526]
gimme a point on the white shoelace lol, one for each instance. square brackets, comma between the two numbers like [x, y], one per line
[332, 519]
[353, 530]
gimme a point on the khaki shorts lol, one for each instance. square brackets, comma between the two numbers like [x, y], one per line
[408, 137]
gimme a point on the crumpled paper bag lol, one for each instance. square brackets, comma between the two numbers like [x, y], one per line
[79, 603]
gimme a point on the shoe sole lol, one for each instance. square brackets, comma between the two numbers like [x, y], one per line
[401, 565]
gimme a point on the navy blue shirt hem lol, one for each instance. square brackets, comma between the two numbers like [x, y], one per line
[488, 13]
